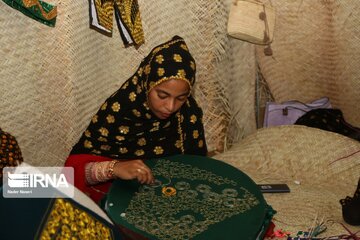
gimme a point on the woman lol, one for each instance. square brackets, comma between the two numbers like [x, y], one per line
[152, 115]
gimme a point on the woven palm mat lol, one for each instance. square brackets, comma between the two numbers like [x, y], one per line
[320, 168]
[316, 53]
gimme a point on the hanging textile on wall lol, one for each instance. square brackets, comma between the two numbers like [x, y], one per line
[36, 9]
[127, 17]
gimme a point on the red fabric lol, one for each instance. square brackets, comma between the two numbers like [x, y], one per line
[270, 231]
[78, 162]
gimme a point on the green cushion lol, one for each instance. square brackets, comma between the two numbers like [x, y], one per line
[194, 197]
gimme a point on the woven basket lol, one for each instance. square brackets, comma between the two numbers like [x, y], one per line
[320, 168]
[251, 20]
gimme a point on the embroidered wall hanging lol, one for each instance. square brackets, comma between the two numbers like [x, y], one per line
[36, 9]
[127, 17]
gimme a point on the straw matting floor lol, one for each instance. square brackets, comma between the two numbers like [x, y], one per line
[320, 168]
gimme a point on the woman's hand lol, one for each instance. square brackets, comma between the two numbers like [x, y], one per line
[133, 169]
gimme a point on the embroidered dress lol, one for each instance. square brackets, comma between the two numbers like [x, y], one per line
[36, 9]
[127, 17]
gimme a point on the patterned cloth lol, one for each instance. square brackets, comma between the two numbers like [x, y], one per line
[10, 153]
[127, 17]
[40, 11]
[53, 218]
[330, 120]
[351, 207]
[126, 128]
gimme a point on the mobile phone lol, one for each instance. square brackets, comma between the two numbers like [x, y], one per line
[274, 188]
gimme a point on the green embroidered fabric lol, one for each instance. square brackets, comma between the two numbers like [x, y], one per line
[193, 197]
[36, 9]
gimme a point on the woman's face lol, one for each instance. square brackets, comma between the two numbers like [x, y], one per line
[168, 97]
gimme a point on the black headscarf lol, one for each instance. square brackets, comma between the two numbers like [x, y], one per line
[125, 127]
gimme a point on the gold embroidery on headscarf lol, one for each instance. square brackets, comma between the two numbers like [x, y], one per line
[139, 152]
[201, 143]
[124, 129]
[88, 144]
[156, 50]
[192, 65]
[123, 150]
[180, 132]
[135, 80]
[115, 107]
[126, 84]
[138, 89]
[96, 151]
[154, 84]
[67, 221]
[177, 58]
[160, 72]
[140, 71]
[132, 96]
[193, 118]
[151, 85]
[181, 73]
[148, 116]
[104, 131]
[147, 69]
[87, 133]
[105, 147]
[183, 46]
[195, 134]
[158, 150]
[188, 103]
[120, 138]
[136, 113]
[141, 142]
[103, 107]
[166, 125]
[181, 118]
[159, 59]
[178, 144]
[94, 119]
[102, 139]
[110, 118]
[156, 127]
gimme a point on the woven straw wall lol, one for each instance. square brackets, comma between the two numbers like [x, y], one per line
[316, 53]
[53, 80]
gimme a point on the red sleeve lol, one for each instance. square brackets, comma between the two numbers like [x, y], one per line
[78, 162]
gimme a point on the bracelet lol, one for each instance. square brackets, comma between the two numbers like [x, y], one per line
[110, 170]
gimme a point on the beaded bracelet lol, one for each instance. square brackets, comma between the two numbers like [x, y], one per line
[110, 169]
